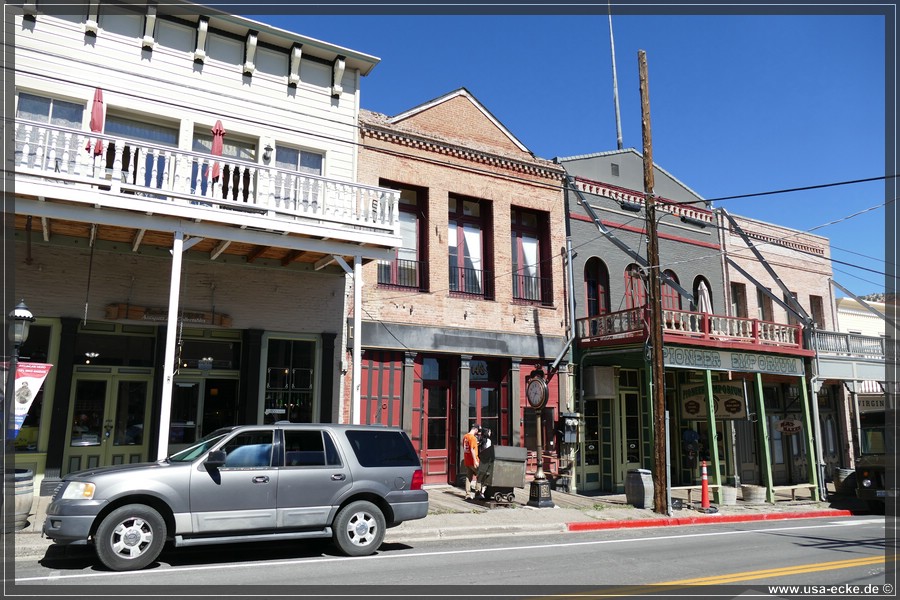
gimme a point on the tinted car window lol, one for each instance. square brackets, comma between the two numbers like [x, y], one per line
[382, 449]
[250, 449]
[309, 449]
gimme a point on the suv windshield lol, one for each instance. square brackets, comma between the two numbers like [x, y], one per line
[192, 452]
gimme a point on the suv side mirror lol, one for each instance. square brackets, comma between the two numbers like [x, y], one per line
[215, 459]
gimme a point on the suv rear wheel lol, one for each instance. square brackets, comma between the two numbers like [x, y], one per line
[130, 537]
[359, 528]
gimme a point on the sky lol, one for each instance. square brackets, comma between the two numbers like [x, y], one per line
[739, 104]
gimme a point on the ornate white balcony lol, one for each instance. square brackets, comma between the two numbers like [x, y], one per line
[75, 166]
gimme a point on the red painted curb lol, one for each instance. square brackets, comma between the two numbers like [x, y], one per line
[704, 520]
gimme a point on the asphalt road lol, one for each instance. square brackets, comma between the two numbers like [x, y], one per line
[803, 552]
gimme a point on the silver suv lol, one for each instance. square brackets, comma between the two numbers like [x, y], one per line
[276, 482]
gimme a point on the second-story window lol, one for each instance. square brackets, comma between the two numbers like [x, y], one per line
[55, 143]
[817, 310]
[528, 260]
[738, 300]
[670, 299]
[292, 187]
[635, 293]
[764, 306]
[596, 285]
[407, 269]
[143, 142]
[468, 250]
[791, 317]
[234, 176]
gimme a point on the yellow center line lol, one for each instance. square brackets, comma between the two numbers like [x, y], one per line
[656, 588]
[781, 571]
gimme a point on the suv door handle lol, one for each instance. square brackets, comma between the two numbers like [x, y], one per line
[261, 479]
[338, 477]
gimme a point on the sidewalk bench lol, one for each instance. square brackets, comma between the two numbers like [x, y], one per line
[690, 489]
[793, 489]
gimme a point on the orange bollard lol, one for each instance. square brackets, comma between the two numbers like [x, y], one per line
[704, 487]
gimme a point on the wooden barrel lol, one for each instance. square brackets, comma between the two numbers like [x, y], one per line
[639, 488]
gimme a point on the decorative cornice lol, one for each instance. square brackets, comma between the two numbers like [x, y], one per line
[619, 194]
[783, 242]
[423, 143]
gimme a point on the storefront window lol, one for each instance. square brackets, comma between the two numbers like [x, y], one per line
[90, 404]
[114, 350]
[290, 381]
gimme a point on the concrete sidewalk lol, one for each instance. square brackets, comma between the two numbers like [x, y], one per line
[451, 516]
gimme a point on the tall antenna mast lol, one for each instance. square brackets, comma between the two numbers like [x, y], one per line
[612, 47]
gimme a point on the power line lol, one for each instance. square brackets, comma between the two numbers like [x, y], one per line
[798, 189]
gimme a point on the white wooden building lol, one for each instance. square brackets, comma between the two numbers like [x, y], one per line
[186, 216]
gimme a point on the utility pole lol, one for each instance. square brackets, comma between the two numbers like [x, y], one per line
[657, 378]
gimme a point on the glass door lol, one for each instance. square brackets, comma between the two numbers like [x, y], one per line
[108, 414]
[591, 451]
[200, 406]
[631, 433]
[435, 442]
[484, 408]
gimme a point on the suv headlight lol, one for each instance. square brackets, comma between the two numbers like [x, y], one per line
[78, 490]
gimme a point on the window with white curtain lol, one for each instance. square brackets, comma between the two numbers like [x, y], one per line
[291, 187]
[526, 262]
[405, 269]
[231, 149]
[134, 132]
[48, 111]
[468, 245]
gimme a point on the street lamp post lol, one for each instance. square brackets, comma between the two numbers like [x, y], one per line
[20, 320]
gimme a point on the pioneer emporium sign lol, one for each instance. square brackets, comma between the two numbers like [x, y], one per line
[724, 360]
[728, 401]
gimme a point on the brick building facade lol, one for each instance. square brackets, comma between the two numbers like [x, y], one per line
[476, 297]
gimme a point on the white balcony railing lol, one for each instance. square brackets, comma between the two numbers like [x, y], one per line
[148, 170]
[853, 345]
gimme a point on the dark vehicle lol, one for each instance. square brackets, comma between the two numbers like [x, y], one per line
[285, 481]
[870, 466]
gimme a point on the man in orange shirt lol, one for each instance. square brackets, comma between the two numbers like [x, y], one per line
[470, 459]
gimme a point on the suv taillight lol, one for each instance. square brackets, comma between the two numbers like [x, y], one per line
[418, 479]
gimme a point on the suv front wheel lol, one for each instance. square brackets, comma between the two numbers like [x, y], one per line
[359, 528]
[130, 537]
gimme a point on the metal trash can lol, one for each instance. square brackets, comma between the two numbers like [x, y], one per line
[639, 488]
[502, 469]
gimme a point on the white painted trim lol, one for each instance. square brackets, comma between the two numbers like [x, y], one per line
[168, 372]
[192, 227]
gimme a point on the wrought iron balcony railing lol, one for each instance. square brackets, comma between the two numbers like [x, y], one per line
[532, 289]
[474, 282]
[401, 273]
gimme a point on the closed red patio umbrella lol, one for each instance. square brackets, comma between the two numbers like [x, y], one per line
[217, 144]
[97, 116]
